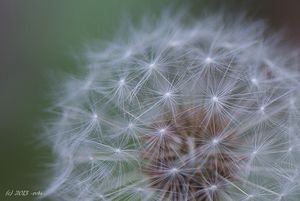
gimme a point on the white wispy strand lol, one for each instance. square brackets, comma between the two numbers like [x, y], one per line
[226, 68]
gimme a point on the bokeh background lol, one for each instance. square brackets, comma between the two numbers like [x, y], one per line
[40, 38]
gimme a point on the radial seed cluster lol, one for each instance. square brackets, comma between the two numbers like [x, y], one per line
[181, 111]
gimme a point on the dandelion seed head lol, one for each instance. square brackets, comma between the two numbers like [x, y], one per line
[206, 110]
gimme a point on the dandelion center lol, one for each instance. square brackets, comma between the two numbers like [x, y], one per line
[200, 169]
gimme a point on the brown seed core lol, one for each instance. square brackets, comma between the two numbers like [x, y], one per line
[190, 157]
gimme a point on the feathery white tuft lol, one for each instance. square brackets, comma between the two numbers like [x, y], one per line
[202, 111]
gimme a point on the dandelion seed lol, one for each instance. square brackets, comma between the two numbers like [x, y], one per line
[215, 99]
[130, 125]
[162, 131]
[122, 82]
[118, 151]
[262, 108]
[215, 141]
[254, 81]
[152, 66]
[95, 116]
[167, 95]
[213, 187]
[208, 60]
[174, 170]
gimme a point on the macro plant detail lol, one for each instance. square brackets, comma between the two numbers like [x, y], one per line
[179, 110]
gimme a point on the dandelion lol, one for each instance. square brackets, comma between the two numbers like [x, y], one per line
[204, 111]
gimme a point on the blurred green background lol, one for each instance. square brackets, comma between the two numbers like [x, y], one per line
[39, 37]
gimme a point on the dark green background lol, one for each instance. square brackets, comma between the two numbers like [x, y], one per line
[39, 38]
